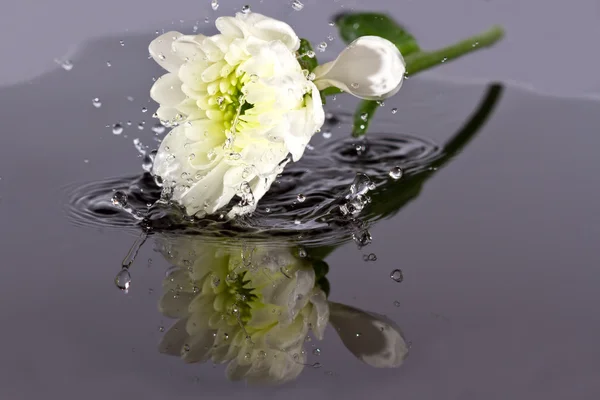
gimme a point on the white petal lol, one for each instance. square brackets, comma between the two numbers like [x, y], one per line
[188, 48]
[380, 343]
[174, 339]
[175, 305]
[270, 29]
[371, 68]
[161, 50]
[319, 316]
[167, 92]
[229, 26]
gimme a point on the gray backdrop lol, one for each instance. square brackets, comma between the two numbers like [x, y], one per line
[551, 45]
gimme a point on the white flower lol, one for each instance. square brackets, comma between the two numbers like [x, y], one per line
[371, 68]
[240, 103]
[250, 308]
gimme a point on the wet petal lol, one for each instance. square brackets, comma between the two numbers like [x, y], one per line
[161, 50]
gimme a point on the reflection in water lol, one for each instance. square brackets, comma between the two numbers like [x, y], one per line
[252, 306]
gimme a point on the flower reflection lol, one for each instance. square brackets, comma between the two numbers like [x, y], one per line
[252, 306]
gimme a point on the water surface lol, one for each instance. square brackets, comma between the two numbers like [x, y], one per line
[498, 251]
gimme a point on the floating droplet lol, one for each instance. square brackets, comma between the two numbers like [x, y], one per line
[108, 64]
[158, 129]
[144, 109]
[397, 303]
[310, 54]
[246, 9]
[297, 5]
[317, 352]
[161, 328]
[364, 116]
[97, 103]
[186, 347]
[396, 173]
[141, 125]
[322, 46]
[326, 134]
[67, 65]
[331, 23]
[119, 199]
[123, 280]
[370, 257]
[122, 43]
[397, 275]
[394, 110]
[117, 129]
[301, 198]
[214, 4]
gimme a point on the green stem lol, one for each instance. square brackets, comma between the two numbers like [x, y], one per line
[423, 60]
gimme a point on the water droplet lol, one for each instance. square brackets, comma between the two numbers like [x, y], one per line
[123, 280]
[370, 257]
[158, 129]
[302, 253]
[297, 5]
[444, 59]
[322, 46]
[246, 9]
[248, 356]
[97, 103]
[108, 64]
[161, 328]
[144, 109]
[355, 85]
[397, 275]
[186, 347]
[331, 23]
[297, 222]
[364, 116]
[119, 199]
[301, 198]
[214, 4]
[67, 65]
[394, 110]
[310, 54]
[397, 303]
[330, 38]
[316, 365]
[326, 134]
[162, 56]
[262, 355]
[117, 129]
[396, 173]
[141, 125]
[317, 352]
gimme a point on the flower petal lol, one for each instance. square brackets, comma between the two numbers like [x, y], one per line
[161, 50]
[372, 338]
[370, 68]
[188, 47]
[167, 92]
[174, 339]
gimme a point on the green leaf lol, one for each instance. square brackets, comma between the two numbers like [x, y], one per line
[306, 62]
[353, 26]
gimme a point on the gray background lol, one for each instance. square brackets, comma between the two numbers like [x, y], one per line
[551, 45]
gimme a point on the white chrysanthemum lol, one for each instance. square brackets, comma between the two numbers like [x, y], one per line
[250, 308]
[241, 103]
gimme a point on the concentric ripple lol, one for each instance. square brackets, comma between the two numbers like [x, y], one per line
[303, 204]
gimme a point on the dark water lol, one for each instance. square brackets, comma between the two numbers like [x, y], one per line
[497, 247]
